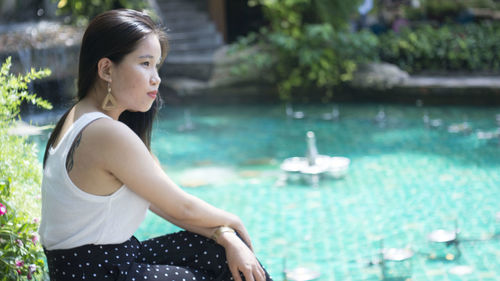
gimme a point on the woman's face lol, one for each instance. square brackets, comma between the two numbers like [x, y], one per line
[135, 80]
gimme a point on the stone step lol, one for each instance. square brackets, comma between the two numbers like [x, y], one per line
[197, 69]
[174, 17]
[189, 25]
[177, 53]
[205, 32]
[193, 34]
[167, 6]
[207, 58]
[193, 39]
[209, 41]
[201, 43]
[492, 82]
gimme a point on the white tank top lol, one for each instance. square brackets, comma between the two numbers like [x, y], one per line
[72, 217]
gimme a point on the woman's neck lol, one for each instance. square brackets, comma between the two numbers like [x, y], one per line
[93, 102]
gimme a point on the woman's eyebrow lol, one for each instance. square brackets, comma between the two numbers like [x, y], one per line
[146, 57]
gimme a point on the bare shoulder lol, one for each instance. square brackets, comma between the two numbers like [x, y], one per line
[107, 134]
[117, 150]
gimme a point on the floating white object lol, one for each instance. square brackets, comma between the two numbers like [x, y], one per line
[381, 117]
[396, 254]
[301, 274]
[482, 135]
[442, 236]
[334, 166]
[461, 270]
[429, 122]
[293, 114]
[333, 115]
[463, 127]
[315, 164]
[188, 124]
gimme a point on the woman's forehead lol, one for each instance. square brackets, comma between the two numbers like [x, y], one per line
[148, 47]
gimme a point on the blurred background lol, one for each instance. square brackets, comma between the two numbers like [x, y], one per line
[293, 51]
[357, 140]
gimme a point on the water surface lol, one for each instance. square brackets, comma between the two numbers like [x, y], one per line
[405, 180]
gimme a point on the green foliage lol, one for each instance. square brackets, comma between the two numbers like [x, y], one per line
[14, 90]
[305, 50]
[81, 11]
[337, 13]
[442, 9]
[446, 10]
[21, 256]
[471, 47]
[288, 15]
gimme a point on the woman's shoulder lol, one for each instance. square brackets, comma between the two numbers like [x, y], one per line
[106, 130]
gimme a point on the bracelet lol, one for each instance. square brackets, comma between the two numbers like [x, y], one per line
[220, 230]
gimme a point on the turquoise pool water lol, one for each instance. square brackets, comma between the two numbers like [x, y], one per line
[405, 180]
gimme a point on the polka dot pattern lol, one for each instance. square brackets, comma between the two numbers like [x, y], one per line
[170, 257]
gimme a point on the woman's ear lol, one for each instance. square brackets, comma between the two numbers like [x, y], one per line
[104, 68]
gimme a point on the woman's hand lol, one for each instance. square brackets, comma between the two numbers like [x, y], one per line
[240, 258]
[238, 226]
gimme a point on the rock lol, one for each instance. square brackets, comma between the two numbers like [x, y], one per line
[224, 80]
[379, 76]
[41, 45]
[186, 86]
[225, 68]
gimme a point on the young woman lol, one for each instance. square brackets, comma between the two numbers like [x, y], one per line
[100, 176]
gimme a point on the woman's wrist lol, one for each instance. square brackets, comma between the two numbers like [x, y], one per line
[226, 239]
[221, 233]
[236, 223]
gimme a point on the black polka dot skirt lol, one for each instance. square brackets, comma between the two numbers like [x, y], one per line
[181, 256]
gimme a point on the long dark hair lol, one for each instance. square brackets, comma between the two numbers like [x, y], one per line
[114, 34]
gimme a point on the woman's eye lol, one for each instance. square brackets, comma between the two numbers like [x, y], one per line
[146, 63]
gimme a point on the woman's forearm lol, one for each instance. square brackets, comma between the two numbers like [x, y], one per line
[192, 211]
[204, 231]
[196, 215]
[200, 213]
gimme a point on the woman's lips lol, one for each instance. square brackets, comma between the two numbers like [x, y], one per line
[153, 94]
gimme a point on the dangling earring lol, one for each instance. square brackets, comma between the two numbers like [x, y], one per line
[109, 101]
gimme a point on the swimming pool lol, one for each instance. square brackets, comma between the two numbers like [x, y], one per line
[405, 180]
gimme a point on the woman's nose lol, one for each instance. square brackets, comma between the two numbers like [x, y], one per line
[155, 79]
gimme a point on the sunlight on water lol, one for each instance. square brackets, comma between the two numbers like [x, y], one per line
[406, 179]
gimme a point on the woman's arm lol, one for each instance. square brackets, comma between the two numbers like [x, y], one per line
[122, 154]
[205, 231]
[239, 255]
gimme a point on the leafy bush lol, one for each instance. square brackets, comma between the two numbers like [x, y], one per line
[305, 49]
[447, 10]
[471, 47]
[21, 256]
[80, 11]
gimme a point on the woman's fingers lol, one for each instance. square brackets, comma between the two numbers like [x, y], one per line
[255, 273]
[241, 260]
[248, 273]
[236, 273]
[261, 274]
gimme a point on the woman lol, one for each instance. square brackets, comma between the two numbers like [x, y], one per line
[100, 177]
